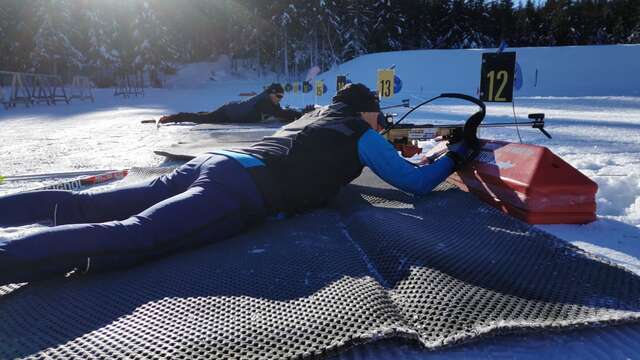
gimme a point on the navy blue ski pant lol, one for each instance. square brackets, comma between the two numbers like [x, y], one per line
[210, 198]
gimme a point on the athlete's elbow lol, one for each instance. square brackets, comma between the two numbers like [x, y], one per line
[417, 189]
[424, 188]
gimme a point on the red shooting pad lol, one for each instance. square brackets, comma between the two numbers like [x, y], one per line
[529, 182]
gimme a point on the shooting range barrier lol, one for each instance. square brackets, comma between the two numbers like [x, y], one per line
[30, 89]
[130, 84]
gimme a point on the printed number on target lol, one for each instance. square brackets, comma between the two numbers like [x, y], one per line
[385, 83]
[496, 77]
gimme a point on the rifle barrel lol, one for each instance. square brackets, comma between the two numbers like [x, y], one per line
[452, 126]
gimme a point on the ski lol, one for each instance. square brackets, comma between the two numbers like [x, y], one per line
[85, 181]
[54, 175]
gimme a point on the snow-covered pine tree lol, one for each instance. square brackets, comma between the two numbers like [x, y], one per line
[528, 26]
[152, 51]
[4, 34]
[101, 31]
[478, 25]
[241, 23]
[439, 22]
[388, 26]
[283, 20]
[304, 30]
[416, 28]
[352, 20]
[506, 18]
[53, 51]
[561, 20]
[460, 32]
[634, 35]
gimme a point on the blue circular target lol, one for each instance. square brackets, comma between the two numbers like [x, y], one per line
[518, 80]
[397, 84]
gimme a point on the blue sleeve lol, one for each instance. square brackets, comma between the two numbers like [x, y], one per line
[383, 159]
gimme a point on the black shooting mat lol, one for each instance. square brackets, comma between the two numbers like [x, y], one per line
[441, 269]
[206, 137]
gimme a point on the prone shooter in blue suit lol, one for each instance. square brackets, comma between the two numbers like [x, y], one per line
[214, 196]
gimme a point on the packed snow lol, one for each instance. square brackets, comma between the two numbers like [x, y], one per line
[595, 128]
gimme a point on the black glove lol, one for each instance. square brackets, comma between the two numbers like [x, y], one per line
[460, 153]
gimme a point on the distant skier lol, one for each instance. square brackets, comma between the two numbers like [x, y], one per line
[214, 196]
[253, 110]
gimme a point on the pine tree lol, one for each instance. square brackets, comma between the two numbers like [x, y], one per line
[20, 32]
[53, 51]
[4, 34]
[507, 20]
[529, 26]
[388, 26]
[153, 51]
[352, 19]
[460, 33]
[440, 22]
[240, 22]
[416, 26]
[634, 36]
[102, 29]
[51, 35]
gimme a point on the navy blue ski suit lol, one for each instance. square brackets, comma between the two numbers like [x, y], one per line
[210, 198]
[251, 110]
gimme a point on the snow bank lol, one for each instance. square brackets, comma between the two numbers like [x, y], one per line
[619, 196]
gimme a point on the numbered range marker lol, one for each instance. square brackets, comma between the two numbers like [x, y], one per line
[320, 88]
[386, 83]
[306, 87]
[296, 87]
[341, 81]
[496, 76]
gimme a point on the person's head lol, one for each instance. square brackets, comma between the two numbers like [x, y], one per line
[276, 93]
[360, 99]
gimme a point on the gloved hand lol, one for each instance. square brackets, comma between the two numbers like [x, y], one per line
[460, 152]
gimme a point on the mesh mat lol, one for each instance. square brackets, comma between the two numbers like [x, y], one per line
[375, 264]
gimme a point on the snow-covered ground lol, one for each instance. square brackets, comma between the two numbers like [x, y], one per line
[598, 135]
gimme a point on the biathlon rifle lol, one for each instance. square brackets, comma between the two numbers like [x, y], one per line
[404, 137]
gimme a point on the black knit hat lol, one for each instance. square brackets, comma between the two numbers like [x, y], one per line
[275, 88]
[358, 97]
